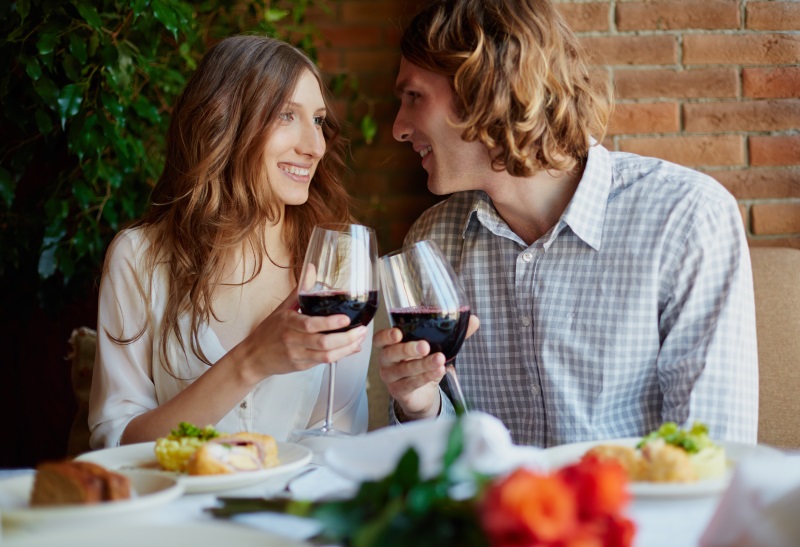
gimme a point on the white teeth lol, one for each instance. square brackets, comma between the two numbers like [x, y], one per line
[296, 171]
[424, 152]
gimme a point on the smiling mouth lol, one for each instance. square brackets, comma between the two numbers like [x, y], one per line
[296, 171]
[425, 151]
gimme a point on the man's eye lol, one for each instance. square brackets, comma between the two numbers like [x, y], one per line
[319, 120]
[286, 116]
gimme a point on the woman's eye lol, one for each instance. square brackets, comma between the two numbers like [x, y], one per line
[286, 116]
[319, 120]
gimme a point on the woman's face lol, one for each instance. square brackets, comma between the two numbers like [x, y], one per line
[296, 144]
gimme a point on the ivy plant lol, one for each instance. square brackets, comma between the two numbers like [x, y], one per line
[86, 89]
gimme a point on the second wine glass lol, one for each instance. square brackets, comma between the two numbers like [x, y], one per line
[426, 301]
[339, 277]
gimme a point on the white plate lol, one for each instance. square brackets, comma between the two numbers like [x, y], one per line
[142, 456]
[150, 490]
[559, 456]
[196, 534]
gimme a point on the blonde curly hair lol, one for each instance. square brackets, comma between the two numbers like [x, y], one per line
[521, 86]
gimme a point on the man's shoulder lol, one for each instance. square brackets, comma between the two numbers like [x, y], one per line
[666, 182]
[444, 220]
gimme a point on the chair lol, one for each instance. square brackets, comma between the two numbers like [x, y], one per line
[82, 342]
[776, 280]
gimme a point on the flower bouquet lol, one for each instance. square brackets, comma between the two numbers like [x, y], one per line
[579, 505]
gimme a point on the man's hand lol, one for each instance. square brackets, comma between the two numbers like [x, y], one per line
[411, 375]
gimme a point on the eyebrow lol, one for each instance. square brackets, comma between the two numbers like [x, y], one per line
[298, 105]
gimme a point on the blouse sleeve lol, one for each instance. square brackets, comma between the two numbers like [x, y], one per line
[122, 381]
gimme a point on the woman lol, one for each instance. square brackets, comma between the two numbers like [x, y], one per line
[197, 319]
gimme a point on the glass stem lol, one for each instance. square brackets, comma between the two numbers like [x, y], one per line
[455, 386]
[329, 411]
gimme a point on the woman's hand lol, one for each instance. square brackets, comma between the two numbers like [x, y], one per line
[411, 375]
[288, 341]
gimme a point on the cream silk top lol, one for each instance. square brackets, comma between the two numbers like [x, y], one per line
[129, 379]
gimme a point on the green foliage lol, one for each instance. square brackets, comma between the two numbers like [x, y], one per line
[400, 510]
[86, 90]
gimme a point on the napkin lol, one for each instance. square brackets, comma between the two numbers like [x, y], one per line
[761, 507]
[488, 449]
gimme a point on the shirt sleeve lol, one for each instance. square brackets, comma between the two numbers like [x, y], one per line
[122, 384]
[708, 362]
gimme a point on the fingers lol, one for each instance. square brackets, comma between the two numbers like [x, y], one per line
[474, 325]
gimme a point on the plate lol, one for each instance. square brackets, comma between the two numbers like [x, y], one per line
[150, 490]
[559, 456]
[142, 456]
[196, 534]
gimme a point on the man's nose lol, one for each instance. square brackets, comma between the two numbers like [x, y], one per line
[401, 130]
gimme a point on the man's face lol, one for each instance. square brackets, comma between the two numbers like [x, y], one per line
[425, 120]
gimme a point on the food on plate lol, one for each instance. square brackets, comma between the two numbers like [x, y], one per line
[669, 454]
[234, 453]
[206, 451]
[73, 482]
[174, 451]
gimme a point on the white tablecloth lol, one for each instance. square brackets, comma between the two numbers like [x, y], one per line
[667, 522]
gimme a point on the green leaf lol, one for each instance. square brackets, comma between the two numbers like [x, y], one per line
[47, 262]
[7, 187]
[77, 46]
[139, 6]
[369, 128]
[83, 194]
[146, 109]
[113, 106]
[455, 445]
[71, 68]
[89, 13]
[48, 91]
[23, 7]
[70, 99]
[273, 15]
[48, 39]
[164, 13]
[43, 122]
[32, 67]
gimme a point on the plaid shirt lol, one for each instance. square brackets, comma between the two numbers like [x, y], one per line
[636, 308]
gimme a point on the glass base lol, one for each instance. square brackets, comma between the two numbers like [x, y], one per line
[321, 432]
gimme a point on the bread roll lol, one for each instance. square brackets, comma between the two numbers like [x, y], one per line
[71, 482]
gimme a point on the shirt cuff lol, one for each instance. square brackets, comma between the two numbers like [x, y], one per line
[446, 410]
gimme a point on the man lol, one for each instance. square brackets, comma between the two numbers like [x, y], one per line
[614, 291]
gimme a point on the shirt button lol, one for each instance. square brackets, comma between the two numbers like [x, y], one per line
[527, 256]
[243, 405]
[526, 321]
[535, 390]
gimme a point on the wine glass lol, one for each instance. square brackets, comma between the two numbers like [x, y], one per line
[426, 301]
[339, 277]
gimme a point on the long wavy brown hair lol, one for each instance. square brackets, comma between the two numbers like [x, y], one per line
[521, 86]
[213, 194]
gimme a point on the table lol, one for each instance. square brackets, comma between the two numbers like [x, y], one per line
[659, 522]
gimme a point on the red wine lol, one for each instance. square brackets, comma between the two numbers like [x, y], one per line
[359, 308]
[444, 331]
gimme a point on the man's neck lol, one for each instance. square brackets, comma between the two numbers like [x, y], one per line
[532, 205]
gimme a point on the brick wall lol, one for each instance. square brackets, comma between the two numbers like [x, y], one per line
[711, 84]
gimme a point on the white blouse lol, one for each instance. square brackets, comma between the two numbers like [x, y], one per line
[129, 379]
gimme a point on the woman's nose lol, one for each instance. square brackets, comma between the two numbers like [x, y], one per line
[312, 142]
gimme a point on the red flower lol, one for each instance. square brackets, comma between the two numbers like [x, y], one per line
[527, 508]
[578, 506]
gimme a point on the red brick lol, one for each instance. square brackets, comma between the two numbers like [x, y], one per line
[773, 15]
[376, 61]
[717, 150]
[585, 17]
[775, 218]
[352, 36]
[694, 83]
[744, 213]
[385, 157]
[630, 118]
[758, 183]
[631, 50]
[793, 242]
[678, 14]
[765, 115]
[703, 49]
[775, 150]
[330, 61]
[381, 12]
[771, 82]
